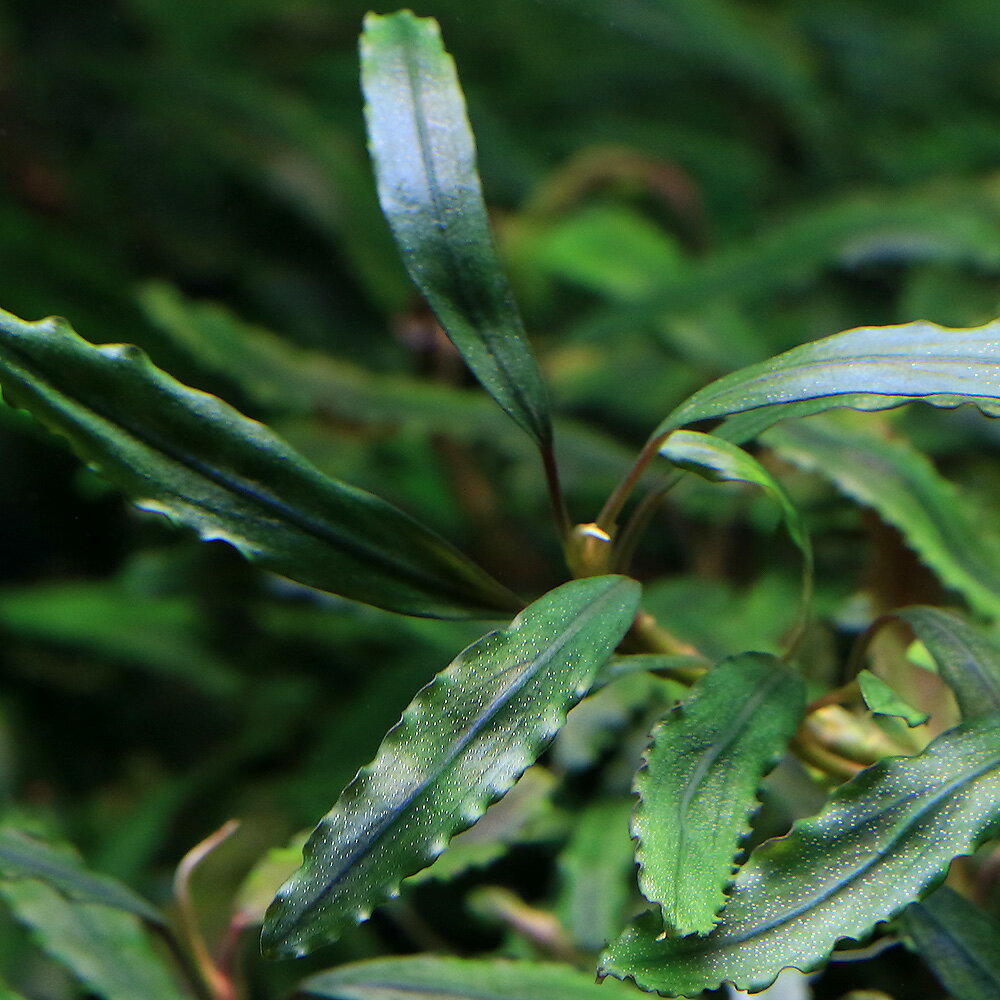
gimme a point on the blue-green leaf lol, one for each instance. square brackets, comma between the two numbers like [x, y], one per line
[461, 743]
[425, 164]
[195, 459]
[884, 839]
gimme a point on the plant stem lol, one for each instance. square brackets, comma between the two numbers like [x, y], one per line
[563, 523]
[609, 513]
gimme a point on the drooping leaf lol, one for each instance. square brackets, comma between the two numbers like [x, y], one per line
[907, 491]
[23, 857]
[595, 871]
[430, 977]
[190, 456]
[883, 700]
[869, 368]
[425, 166]
[461, 743]
[698, 787]
[109, 951]
[959, 942]
[968, 659]
[884, 839]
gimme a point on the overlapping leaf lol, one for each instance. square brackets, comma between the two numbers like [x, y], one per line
[968, 659]
[883, 700]
[699, 785]
[425, 166]
[883, 840]
[869, 368]
[907, 491]
[430, 977]
[460, 744]
[959, 942]
[192, 457]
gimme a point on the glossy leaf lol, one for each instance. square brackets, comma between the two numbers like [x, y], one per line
[430, 977]
[24, 857]
[195, 459]
[109, 951]
[884, 839]
[699, 783]
[868, 368]
[967, 659]
[723, 461]
[959, 942]
[460, 744]
[907, 491]
[425, 166]
[883, 700]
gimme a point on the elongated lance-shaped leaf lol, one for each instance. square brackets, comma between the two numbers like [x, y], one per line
[461, 743]
[908, 492]
[699, 783]
[968, 660]
[869, 368]
[959, 942]
[192, 457]
[431, 977]
[425, 165]
[108, 951]
[884, 839]
[24, 857]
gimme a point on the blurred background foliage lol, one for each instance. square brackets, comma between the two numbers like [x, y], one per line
[679, 187]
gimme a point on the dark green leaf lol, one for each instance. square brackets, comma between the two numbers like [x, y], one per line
[461, 743]
[425, 164]
[968, 660]
[190, 456]
[699, 785]
[24, 857]
[959, 942]
[883, 700]
[885, 838]
[107, 950]
[869, 368]
[428, 977]
[907, 491]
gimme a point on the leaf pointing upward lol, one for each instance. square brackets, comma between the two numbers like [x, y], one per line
[425, 165]
[460, 744]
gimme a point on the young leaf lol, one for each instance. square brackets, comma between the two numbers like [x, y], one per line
[959, 942]
[107, 950]
[883, 700]
[461, 743]
[699, 785]
[425, 165]
[968, 660]
[430, 977]
[23, 857]
[192, 457]
[869, 368]
[883, 840]
[906, 490]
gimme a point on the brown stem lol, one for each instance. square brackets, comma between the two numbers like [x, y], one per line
[609, 514]
[563, 523]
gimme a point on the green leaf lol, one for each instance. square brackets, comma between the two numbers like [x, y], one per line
[959, 942]
[883, 700]
[968, 660]
[884, 839]
[428, 977]
[721, 461]
[107, 950]
[425, 165]
[698, 786]
[461, 743]
[195, 459]
[595, 870]
[907, 491]
[869, 368]
[24, 857]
